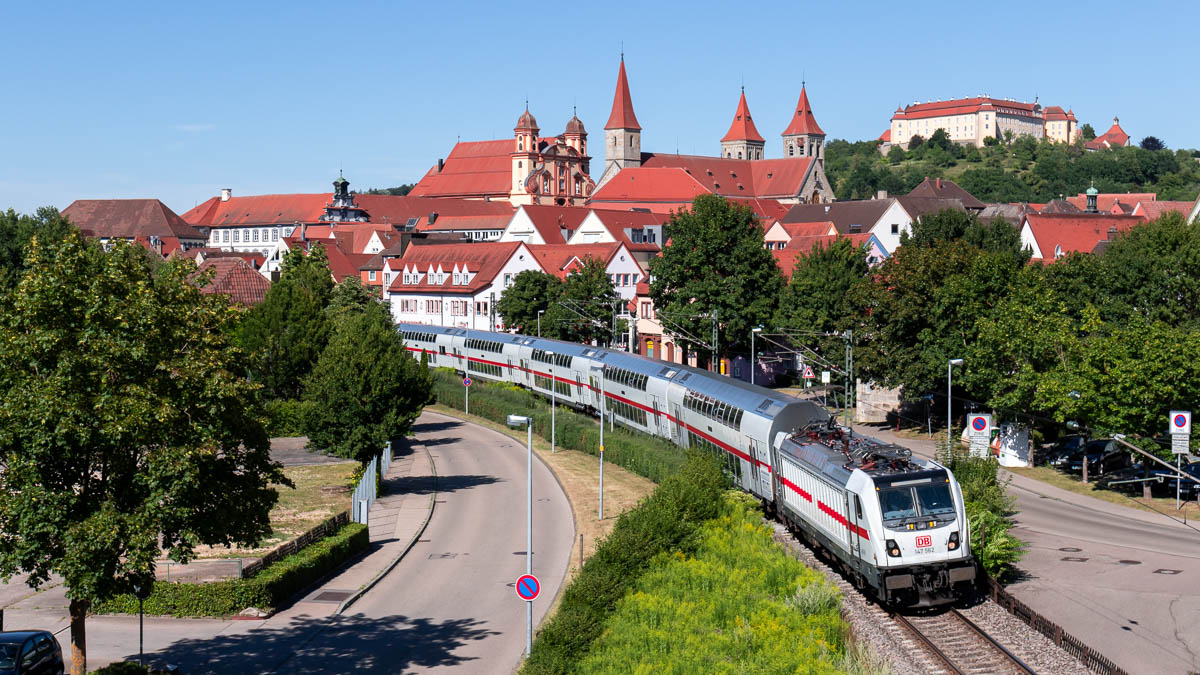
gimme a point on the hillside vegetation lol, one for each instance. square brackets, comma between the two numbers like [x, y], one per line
[1025, 170]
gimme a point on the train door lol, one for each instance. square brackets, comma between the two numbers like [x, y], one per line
[762, 457]
[681, 438]
[853, 516]
[659, 426]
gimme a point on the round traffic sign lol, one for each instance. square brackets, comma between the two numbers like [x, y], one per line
[1180, 421]
[528, 587]
[978, 424]
[466, 381]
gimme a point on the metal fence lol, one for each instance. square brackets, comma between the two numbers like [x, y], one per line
[367, 490]
[1094, 660]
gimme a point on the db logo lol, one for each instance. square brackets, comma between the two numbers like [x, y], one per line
[924, 540]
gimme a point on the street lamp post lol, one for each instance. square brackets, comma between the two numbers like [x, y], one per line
[950, 399]
[517, 421]
[553, 398]
[753, 354]
[599, 370]
[1075, 396]
[540, 313]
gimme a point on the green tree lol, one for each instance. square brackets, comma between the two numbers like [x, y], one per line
[818, 297]
[1152, 143]
[399, 191]
[915, 142]
[286, 332]
[585, 309]
[16, 231]
[1087, 133]
[717, 263]
[1153, 270]
[365, 389]
[126, 428]
[895, 155]
[532, 292]
[944, 225]
[349, 296]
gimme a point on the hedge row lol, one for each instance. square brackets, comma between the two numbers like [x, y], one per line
[666, 522]
[266, 590]
[648, 456]
[989, 507]
[739, 599]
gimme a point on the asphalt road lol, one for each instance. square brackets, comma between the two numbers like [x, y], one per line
[1125, 582]
[451, 604]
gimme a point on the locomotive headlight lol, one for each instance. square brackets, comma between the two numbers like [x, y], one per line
[953, 543]
[893, 549]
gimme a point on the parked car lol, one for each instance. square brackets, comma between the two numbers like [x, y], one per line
[1114, 480]
[30, 652]
[1103, 456]
[1064, 447]
[1188, 489]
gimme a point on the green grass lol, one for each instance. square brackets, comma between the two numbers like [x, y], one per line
[739, 604]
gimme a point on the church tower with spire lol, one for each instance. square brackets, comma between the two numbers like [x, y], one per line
[622, 133]
[803, 136]
[742, 141]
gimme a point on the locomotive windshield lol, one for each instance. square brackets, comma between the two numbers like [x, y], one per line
[918, 499]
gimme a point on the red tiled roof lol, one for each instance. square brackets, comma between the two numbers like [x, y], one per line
[1075, 232]
[236, 278]
[763, 178]
[886, 136]
[129, 218]
[1154, 210]
[622, 116]
[1114, 137]
[803, 122]
[786, 259]
[809, 229]
[1054, 113]
[472, 169]
[484, 259]
[343, 264]
[963, 106]
[259, 210]
[560, 259]
[650, 184]
[550, 221]
[742, 128]
[1105, 201]
[940, 188]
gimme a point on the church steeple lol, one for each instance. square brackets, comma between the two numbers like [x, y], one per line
[803, 136]
[622, 133]
[742, 141]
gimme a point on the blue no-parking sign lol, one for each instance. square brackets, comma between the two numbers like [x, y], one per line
[528, 587]
[466, 381]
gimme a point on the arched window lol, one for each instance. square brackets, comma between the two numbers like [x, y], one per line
[739, 154]
[520, 143]
[791, 150]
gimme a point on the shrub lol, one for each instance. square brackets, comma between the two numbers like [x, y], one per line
[731, 607]
[988, 506]
[648, 456]
[285, 417]
[666, 522]
[122, 668]
[266, 590]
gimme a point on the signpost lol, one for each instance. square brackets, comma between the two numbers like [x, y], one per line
[979, 430]
[825, 377]
[467, 393]
[1181, 434]
[808, 376]
[528, 588]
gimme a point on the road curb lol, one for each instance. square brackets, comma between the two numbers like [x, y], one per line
[412, 542]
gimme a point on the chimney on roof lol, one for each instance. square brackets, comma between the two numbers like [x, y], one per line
[432, 217]
[441, 163]
[882, 194]
[226, 194]
[304, 232]
[939, 183]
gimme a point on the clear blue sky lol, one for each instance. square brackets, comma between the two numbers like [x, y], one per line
[178, 100]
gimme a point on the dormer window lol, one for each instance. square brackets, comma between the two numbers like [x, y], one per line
[1058, 252]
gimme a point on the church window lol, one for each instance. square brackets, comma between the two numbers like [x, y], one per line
[545, 183]
[521, 143]
[520, 165]
[739, 154]
[631, 141]
[791, 150]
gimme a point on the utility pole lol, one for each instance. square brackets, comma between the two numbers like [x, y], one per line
[715, 349]
[848, 395]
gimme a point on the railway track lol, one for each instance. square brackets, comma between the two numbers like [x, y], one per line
[954, 644]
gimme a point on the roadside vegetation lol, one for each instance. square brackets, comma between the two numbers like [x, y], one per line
[989, 510]
[737, 604]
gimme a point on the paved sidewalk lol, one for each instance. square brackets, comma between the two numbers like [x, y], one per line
[395, 521]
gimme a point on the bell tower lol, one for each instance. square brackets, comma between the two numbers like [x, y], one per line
[524, 156]
[622, 133]
[742, 141]
[803, 136]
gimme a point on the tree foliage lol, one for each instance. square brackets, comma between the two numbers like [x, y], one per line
[127, 426]
[286, 333]
[585, 308]
[818, 297]
[716, 263]
[1152, 143]
[398, 191]
[365, 388]
[532, 292]
[17, 230]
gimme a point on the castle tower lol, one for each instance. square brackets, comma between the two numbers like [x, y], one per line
[524, 155]
[742, 141]
[622, 133]
[575, 135]
[804, 137]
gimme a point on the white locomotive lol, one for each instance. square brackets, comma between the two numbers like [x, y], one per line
[893, 522]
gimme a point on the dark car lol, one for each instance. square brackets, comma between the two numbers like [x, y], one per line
[1188, 489]
[1103, 456]
[1062, 449]
[1118, 479]
[30, 652]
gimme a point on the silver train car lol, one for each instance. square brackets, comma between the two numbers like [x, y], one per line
[894, 523]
